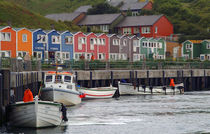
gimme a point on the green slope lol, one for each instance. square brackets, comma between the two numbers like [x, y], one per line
[16, 16]
[53, 6]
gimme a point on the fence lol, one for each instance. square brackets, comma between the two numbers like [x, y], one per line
[19, 65]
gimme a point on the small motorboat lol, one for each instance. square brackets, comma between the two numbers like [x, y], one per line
[98, 92]
[130, 89]
[60, 87]
[36, 114]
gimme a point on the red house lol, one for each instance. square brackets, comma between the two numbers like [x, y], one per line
[146, 26]
[8, 42]
[97, 46]
[103, 47]
[92, 46]
[80, 45]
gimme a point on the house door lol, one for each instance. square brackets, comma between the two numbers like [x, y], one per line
[52, 55]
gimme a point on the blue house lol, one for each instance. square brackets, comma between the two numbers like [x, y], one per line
[67, 45]
[54, 45]
[39, 44]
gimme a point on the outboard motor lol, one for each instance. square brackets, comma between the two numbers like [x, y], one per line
[63, 110]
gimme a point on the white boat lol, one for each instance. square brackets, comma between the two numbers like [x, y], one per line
[60, 87]
[35, 113]
[130, 89]
[99, 92]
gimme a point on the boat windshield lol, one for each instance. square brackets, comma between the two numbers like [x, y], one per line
[49, 78]
[67, 79]
[58, 78]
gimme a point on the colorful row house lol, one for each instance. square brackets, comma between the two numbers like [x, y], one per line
[196, 49]
[8, 46]
[191, 49]
[151, 48]
[205, 50]
[24, 42]
[91, 45]
[64, 45]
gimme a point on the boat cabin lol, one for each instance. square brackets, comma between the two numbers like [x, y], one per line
[59, 77]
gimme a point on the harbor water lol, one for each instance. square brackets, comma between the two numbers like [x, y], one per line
[150, 114]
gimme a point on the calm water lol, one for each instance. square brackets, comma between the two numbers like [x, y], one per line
[180, 114]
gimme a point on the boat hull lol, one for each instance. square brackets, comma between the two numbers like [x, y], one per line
[32, 114]
[61, 95]
[129, 89]
[99, 93]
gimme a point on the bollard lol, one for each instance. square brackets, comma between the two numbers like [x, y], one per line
[151, 87]
[164, 89]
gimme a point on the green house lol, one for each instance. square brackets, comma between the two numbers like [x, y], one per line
[191, 49]
[205, 50]
[151, 48]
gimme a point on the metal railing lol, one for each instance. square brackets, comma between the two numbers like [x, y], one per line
[34, 65]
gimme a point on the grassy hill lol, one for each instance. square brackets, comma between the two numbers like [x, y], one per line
[17, 16]
[54, 6]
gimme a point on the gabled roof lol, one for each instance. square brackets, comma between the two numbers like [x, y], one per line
[99, 19]
[193, 41]
[139, 20]
[208, 40]
[19, 29]
[196, 41]
[133, 6]
[3, 27]
[63, 16]
[83, 9]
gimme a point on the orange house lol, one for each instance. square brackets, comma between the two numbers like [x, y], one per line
[24, 42]
[8, 42]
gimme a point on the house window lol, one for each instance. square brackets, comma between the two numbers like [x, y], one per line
[68, 40]
[91, 44]
[136, 57]
[55, 39]
[142, 56]
[41, 38]
[188, 46]
[116, 42]
[135, 13]
[145, 30]
[99, 42]
[156, 29]
[104, 28]
[103, 42]
[6, 36]
[101, 56]
[125, 42]
[202, 57]
[37, 55]
[135, 45]
[126, 30]
[24, 37]
[5, 54]
[208, 56]
[136, 30]
[155, 44]
[82, 40]
[208, 46]
[21, 53]
[65, 56]
[95, 41]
